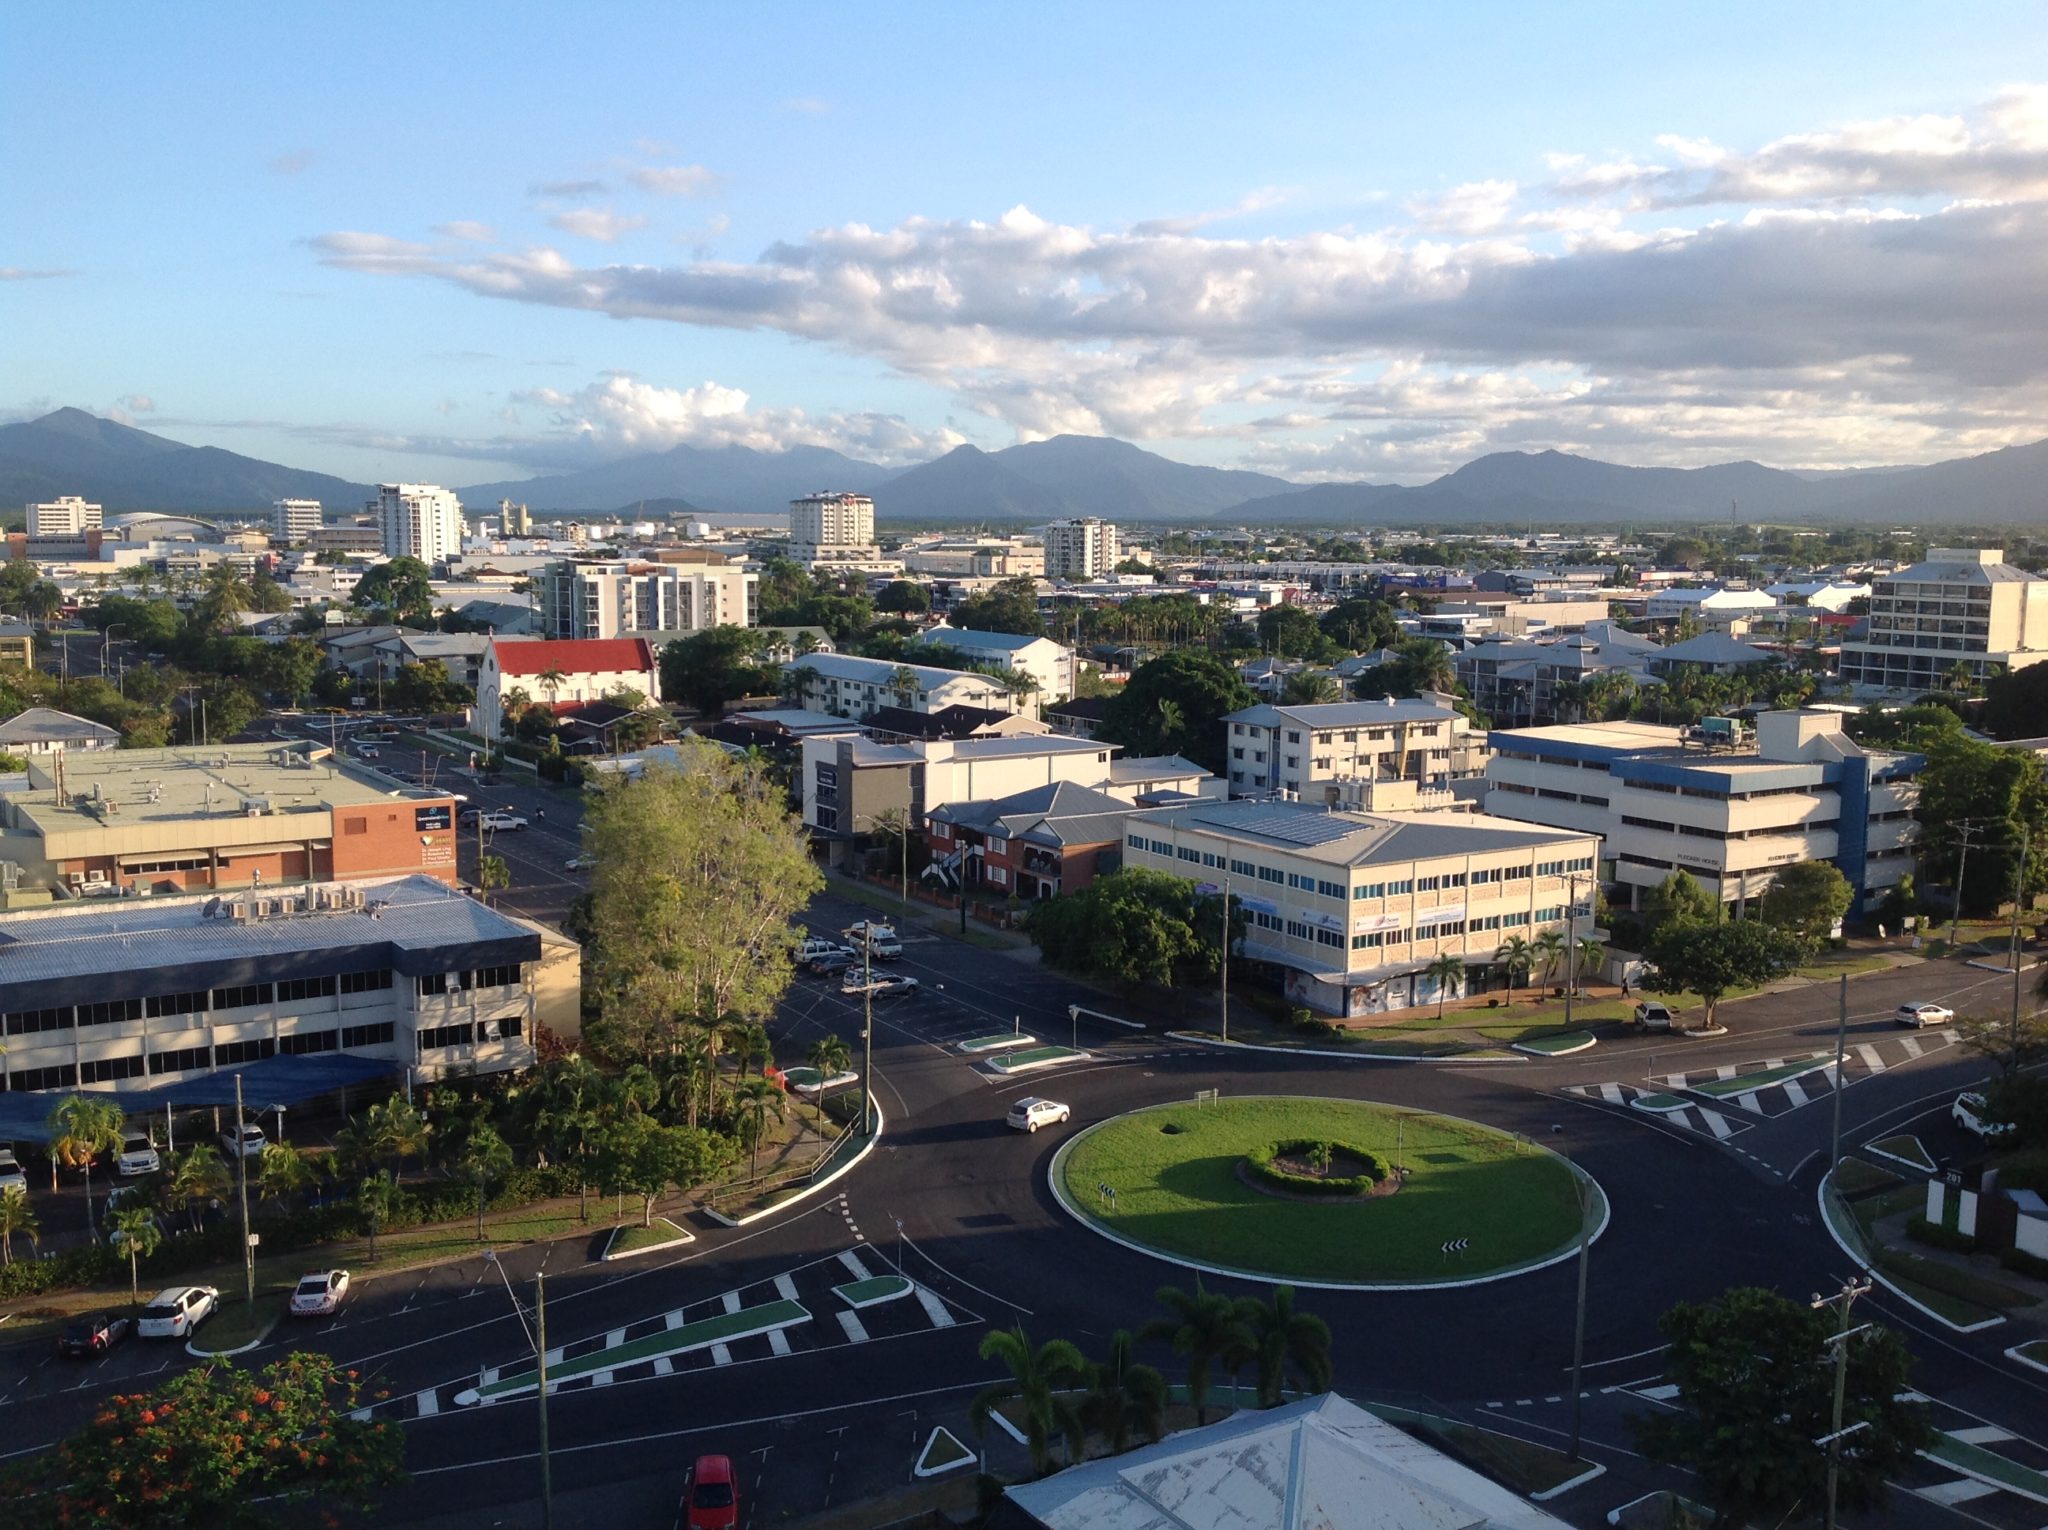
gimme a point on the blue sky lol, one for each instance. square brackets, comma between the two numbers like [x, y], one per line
[464, 242]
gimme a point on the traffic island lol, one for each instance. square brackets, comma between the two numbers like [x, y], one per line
[1453, 1202]
[631, 1238]
[1032, 1058]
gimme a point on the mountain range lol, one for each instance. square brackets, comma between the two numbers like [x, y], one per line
[73, 452]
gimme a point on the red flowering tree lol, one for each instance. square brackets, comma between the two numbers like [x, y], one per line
[217, 1447]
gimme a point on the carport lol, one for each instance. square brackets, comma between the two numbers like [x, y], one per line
[271, 1084]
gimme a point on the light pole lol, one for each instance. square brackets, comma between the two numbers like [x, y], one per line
[867, 1020]
[1226, 956]
[1579, 1320]
[1571, 947]
[242, 1187]
[1839, 1341]
[106, 637]
[538, 1338]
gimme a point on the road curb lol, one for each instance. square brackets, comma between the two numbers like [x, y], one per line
[1246, 1046]
[844, 1169]
[1863, 1263]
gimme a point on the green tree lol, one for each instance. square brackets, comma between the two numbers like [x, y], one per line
[1807, 898]
[700, 873]
[83, 1128]
[1756, 1384]
[1518, 956]
[1548, 950]
[1286, 1341]
[707, 669]
[226, 597]
[1312, 687]
[289, 668]
[1361, 624]
[904, 598]
[756, 1099]
[1679, 899]
[1132, 927]
[219, 1448]
[198, 1179]
[636, 1155]
[1011, 606]
[17, 1215]
[567, 1114]
[1208, 1330]
[1123, 1397]
[137, 1236]
[283, 1172]
[378, 1198]
[1291, 633]
[427, 688]
[1175, 704]
[1710, 959]
[485, 1161]
[1038, 1383]
[401, 589]
[268, 596]
[493, 874]
[2000, 797]
[1448, 972]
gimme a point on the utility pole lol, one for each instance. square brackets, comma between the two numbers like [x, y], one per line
[1962, 861]
[540, 1355]
[1226, 956]
[2019, 898]
[1840, 1342]
[1571, 948]
[1579, 1321]
[867, 1024]
[242, 1180]
[1841, 1048]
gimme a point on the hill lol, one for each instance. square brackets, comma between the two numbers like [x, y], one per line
[729, 479]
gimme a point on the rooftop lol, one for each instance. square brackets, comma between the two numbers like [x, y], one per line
[1362, 839]
[848, 666]
[47, 725]
[573, 656]
[970, 637]
[1345, 714]
[1622, 736]
[1713, 648]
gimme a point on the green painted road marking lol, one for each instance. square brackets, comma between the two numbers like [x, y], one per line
[1660, 1102]
[875, 1289]
[1001, 1041]
[1990, 1466]
[721, 1329]
[1749, 1083]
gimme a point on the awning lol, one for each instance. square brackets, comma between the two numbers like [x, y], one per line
[274, 1081]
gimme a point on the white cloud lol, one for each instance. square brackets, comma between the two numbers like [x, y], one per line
[598, 223]
[807, 106]
[673, 180]
[138, 403]
[569, 190]
[467, 230]
[28, 274]
[1479, 207]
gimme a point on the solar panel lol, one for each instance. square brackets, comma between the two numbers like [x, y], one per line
[1292, 825]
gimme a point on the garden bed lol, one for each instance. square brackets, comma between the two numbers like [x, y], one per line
[632, 1238]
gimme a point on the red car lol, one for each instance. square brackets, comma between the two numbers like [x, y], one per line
[712, 1500]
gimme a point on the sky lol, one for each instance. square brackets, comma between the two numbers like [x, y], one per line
[462, 242]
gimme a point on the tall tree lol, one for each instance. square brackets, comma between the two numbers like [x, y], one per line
[1123, 1396]
[1518, 956]
[707, 669]
[1132, 927]
[1448, 973]
[198, 1179]
[1807, 898]
[485, 1161]
[1175, 704]
[1037, 1384]
[402, 589]
[1679, 899]
[83, 1129]
[137, 1236]
[1286, 1341]
[2000, 798]
[1010, 606]
[1206, 1329]
[17, 1215]
[1710, 959]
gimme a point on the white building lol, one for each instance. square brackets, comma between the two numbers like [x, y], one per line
[1704, 605]
[1963, 605]
[418, 520]
[832, 529]
[65, 516]
[1314, 753]
[1081, 549]
[603, 600]
[560, 675]
[846, 685]
[38, 731]
[1730, 818]
[1045, 661]
[1821, 594]
[292, 521]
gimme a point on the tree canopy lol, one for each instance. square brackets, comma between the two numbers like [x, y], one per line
[1807, 898]
[403, 587]
[707, 669]
[1131, 927]
[1679, 899]
[1175, 704]
[1011, 606]
[2002, 796]
[1710, 959]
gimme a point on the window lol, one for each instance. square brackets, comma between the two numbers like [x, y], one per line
[443, 1036]
[107, 1069]
[355, 826]
[229, 1053]
[1135, 841]
[297, 990]
[1215, 862]
[366, 982]
[62, 1076]
[25, 1022]
[246, 997]
[1243, 869]
[299, 1043]
[180, 1061]
[1329, 938]
[1293, 735]
[1259, 756]
[1265, 921]
[113, 1012]
[507, 976]
[1329, 889]
[1402, 888]
[998, 875]
[1189, 853]
[368, 1035]
[159, 1005]
[1270, 874]
[1161, 847]
[1428, 884]
[433, 983]
[1294, 762]
[1237, 753]
[1513, 921]
[1485, 875]
[1514, 873]
[1301, 883]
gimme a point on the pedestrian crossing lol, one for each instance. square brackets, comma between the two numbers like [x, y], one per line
[1686, 1115]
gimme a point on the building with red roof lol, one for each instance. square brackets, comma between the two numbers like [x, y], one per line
[562, 674]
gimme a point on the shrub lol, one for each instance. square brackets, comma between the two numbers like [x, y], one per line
[2020, 1262]
[1263, 1167]
[1934, 1235]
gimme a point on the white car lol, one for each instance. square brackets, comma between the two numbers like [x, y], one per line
[1030, 1113]
[10, 1171]
[138, 1155]
[880, 931]
[175, 1313]
[495, 819]
[581, 863]
[319, 1293]
[1968, 1113]
[1653, 1015]
[249, 1145]
[1917, 1015]
[814, 948]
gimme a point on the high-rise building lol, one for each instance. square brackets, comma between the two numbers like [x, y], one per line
[66, 516]
[514, 520]
[418, 520]
[294, 520]
[609, 600]
[1080, 549]
[1962, 606]
[832, 521]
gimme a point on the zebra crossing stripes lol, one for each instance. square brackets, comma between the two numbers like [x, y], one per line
[1690, 1116]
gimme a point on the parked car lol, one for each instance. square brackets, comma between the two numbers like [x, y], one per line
[366, 751]
[1030, 1113]
[711, 1499]
[494, 818]
[882, 986]
[175, 1313]
[138, 1155]
[831, 962]
[814, 948]
[1917, 1015]
[319, 1293]
[880, 930]
[94, 1333]
[10, 1171]
[1653, 1015]
[1968, 1113]
[249, 1144]
[581, 863]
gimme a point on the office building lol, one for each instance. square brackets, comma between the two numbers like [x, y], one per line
[65, 516]
[1080, 550]
[847, 685]
[345, 539]
[293, 521]
[606, 600]
[133, 993]
[1049, 665]
[1962, 606]
[416, 520]
[1353, 907]
[1314, 753]
[1663, 800]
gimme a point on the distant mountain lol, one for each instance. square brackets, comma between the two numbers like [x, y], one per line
[730, 479]
[122, 468]
[967, 484]
[653, 509]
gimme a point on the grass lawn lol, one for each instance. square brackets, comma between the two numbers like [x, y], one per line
[1854, 1177]
[632, 1237]
[1743, 1083]
[1906, 1148]
[237, 1322]
[1174, 1168]
[2037, 1351]
[876, 1288]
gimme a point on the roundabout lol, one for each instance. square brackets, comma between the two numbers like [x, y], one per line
[1403, 1199]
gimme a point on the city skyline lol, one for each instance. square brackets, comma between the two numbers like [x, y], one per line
[1375, 248]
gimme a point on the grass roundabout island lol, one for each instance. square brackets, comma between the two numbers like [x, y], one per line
[1238, 1186]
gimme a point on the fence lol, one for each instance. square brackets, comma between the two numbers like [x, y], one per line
[849, 1138]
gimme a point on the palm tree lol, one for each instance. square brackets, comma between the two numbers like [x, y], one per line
[747, 1040]
[903, 681]
[1517, 955]
[1205, 1328]
[758, 1097]
[830, 1055]
[638, 1090]
[377, 1197]
[138, 1235]
[551, 680]
[16, 1216]
[283, 1172]
[485, 1160]
[1037, 1380]
[1311, 687]
[566, 1119]
[198, 1178]
[1448, 973]
[82, 1127]
[1548, 948]
[396, 1130]
[1285, 1339]
[227, 597]
[493, 875]
[1123, 1396]
[1590, 955]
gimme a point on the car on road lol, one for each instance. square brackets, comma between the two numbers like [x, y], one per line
[881, 986]
[319, 1293]
[11, 1174]
[584, 862]
[495, 818]
[366, 751]
[249, 1144]
[1030, 1113]
[94, 1333]
[1917, 1015]
[711, 1500]
[138, 1155]
[175, 1313]
[830, 962]
[1969, 1113]
[1652, 1015]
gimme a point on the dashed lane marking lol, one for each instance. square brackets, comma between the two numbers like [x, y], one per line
[720, 1355]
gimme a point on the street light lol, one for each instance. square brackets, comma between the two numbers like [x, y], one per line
[867, 1019]
[537, 1336]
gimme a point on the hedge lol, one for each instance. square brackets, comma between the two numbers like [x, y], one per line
[1262, 1165]
[1934, 1235]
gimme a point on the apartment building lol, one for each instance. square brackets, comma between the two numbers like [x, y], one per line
[1049, 664]
[1351, 908]
[1033, 845]
[131, 994]
[345, 539]
[293, 521]
[1706, 606]
[1080, 550]
[846, 685]
[417, 520]
[1516, 682]
[1310, 752]
[1731, 818]
[66, 516]
[609, 600]
[1963, 605]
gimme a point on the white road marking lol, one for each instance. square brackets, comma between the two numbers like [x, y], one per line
[615, 1338]
[1660, 1394]
[934, 1308]
[785, 1287]
[663, 1366]
[1611, 1093]
[1794, 1093]
[673, 1320]
[427, 1403]
[720, 1355]
[1910, 1045]
[1718, 1125]
[1871, 1058]
[778, 1341]
[731, 1301]
[851, 1260]
[1960, 1491]
[1982, 1434]
[851, 1322]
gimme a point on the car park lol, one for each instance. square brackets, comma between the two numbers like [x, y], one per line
[249, 1144]
[711, 1499]
[880, 985]
[11, 1174]
[1969, 1113]
[175, 1313]
[319, 1293]
[1030, 1113]
[1653, 1015]
[94, 1333]
[138, 1155]
[1917, 1015]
